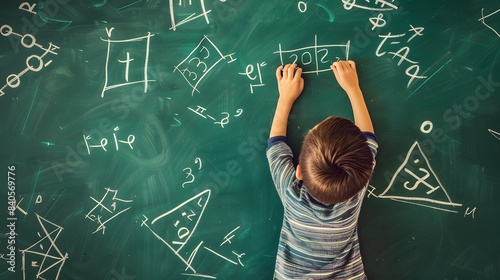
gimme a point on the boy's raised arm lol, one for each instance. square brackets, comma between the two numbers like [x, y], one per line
[290, 86]
[346, 75]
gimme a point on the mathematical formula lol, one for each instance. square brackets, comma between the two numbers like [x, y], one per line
[198, 64]
[315, 58]
[34, 62]
[126, 62]
[103, 143]
[416, 183]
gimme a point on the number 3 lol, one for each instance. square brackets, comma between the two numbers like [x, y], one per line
[189, 173]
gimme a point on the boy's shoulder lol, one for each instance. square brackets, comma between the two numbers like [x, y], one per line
[371, 139]
[276, 139]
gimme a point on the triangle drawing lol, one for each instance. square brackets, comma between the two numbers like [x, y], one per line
[494, 133]
[44, 253]
[178, 226]
[416, 183]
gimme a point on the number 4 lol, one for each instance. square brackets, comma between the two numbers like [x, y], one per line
[470, 212]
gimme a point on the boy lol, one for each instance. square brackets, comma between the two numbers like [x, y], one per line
[322, 196]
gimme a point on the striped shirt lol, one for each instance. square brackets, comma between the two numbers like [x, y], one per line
[317, 241]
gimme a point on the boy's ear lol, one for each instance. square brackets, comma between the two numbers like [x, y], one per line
[298, 172]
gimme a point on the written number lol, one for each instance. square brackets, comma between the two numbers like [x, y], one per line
[189, 172]
[306, 57]
[199, 64]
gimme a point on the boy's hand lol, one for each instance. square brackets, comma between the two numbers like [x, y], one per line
[290, 82]
[345, 73]
[290, 86]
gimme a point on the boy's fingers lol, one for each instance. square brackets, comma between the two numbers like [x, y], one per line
[278, 72]
[291, 69]
[285, 71]
[352, 63]
[334, 67]
[288, 71]
[340, 65]
[298, 73]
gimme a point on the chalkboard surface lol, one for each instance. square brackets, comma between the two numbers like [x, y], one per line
[133, 134]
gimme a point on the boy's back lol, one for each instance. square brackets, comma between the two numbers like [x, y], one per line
[316, 240]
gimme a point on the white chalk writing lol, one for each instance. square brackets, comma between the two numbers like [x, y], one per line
[483, 17]
[34, 62]
[200, 111]
[106, 209]
[44, 255]
[420, 185]
[315, 58]
[200, 62]
[126, 62]
[249, 72]
[182, 12]
[104, 141]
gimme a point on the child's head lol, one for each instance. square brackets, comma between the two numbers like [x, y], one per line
[335, 161]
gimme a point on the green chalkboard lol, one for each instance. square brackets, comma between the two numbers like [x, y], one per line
[133, 134]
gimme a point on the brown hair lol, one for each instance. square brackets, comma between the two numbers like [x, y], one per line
[335, 160]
